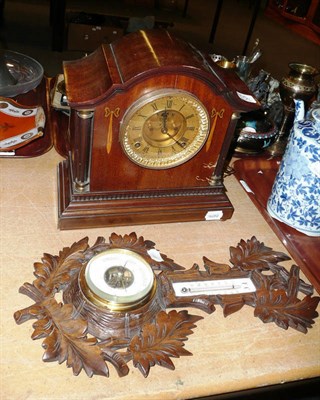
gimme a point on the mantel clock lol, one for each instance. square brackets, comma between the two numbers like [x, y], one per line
[151, 121]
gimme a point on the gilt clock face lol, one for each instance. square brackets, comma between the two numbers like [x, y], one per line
[119, 279]
[164, 129]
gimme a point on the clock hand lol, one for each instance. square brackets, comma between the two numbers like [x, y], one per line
[164, 128]
[123, 285]
[173, 138]
[164, 116]
[123, 278]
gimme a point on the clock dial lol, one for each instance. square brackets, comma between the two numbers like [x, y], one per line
[164, 130]
[119, 279]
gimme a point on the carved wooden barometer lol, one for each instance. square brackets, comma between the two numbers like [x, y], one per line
[151, 122]
[115, 297]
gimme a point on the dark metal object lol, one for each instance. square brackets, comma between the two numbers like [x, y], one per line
[298, 84]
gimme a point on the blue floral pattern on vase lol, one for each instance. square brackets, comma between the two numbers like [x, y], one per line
[295, 195]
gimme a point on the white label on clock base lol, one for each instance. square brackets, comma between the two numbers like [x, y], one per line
[214, 215]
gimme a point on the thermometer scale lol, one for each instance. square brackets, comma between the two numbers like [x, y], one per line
[214, 287]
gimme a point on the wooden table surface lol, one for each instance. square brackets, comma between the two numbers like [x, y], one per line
[257, 176]
[229, 354]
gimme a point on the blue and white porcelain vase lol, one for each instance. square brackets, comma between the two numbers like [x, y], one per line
[295, 195]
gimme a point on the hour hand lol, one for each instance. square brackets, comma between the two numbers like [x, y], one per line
[164, 117]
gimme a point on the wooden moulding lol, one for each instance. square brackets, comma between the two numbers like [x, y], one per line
[86, 210]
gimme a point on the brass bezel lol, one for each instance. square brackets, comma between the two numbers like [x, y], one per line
[100, 302]
[179, 158]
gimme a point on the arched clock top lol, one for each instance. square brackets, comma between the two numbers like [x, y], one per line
[86, 78]
[150, 50]
[142, 57]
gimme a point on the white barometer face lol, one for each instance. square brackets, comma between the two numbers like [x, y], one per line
[119, 277]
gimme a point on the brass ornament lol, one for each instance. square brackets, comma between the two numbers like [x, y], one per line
[89, 334]
[165, 129]
[110, 114]
[214, 116]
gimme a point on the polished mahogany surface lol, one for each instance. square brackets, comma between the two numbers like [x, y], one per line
[145, 53]
[257, 176]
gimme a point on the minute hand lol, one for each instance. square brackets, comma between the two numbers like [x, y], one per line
[173, 138]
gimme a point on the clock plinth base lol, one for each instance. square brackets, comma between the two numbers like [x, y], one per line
[139, 207]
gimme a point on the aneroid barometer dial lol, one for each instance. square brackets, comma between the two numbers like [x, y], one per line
[119, 279]
[164, 130]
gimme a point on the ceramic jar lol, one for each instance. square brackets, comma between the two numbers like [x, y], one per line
[295, 196]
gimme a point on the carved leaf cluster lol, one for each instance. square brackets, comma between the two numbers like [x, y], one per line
[141, 246]
[161, 340]
[276, 306]
[279, 303]
[131, 241]
[99, 246]
[276, 298]
[54, 272]
[66, 339]
[252, 254]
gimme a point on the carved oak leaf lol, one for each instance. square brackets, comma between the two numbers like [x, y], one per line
[31, 312]
[99, 246]
[295, 284]
[31, 291]
[109, 347]
[276, 306]
[66, 340]
[231, 304]
[56, 271]
[141, 246]
[267, 282]
[282, 279]
[130, 241]
[215, 268]
[161, 340]
[273, 281]
[252, 254]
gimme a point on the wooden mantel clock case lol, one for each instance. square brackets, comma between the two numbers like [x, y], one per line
[150, 126]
